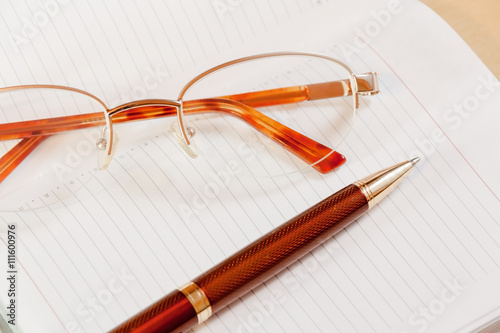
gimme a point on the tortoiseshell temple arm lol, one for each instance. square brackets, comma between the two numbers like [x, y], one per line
[308, 150]
[367, 85]
[17, 154]
[300, 145]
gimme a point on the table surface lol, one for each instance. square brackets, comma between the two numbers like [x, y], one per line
[478, 23]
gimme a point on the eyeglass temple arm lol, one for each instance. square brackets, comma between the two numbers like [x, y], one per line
[18, 153]
[310, 151]
[367, 85]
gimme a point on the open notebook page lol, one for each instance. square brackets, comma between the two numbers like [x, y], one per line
[130, 237]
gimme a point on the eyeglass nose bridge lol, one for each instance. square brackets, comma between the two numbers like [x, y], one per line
[178, 129]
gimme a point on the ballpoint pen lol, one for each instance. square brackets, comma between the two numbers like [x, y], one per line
[197, 300]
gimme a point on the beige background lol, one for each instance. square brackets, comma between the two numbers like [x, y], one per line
[478, 23]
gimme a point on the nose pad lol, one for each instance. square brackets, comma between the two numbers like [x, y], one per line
[103, 159]
[189, 149]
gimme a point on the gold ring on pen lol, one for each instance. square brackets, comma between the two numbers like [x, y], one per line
[198, 300]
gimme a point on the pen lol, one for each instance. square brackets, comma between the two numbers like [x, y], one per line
[197, 300]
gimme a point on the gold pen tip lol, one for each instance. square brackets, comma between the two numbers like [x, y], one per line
[415, 160]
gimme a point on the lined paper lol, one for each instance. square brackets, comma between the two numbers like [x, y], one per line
[156, 218]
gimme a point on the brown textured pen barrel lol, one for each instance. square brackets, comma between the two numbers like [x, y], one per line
[262, 259]
[271, 253]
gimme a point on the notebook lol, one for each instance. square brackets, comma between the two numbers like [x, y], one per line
[426, 259]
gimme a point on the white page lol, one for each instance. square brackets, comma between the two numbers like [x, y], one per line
[89, 265]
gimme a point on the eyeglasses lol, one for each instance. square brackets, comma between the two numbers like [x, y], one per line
[263, 115]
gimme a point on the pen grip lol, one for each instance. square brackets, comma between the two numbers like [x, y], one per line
[274, 251]
[167, 314]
